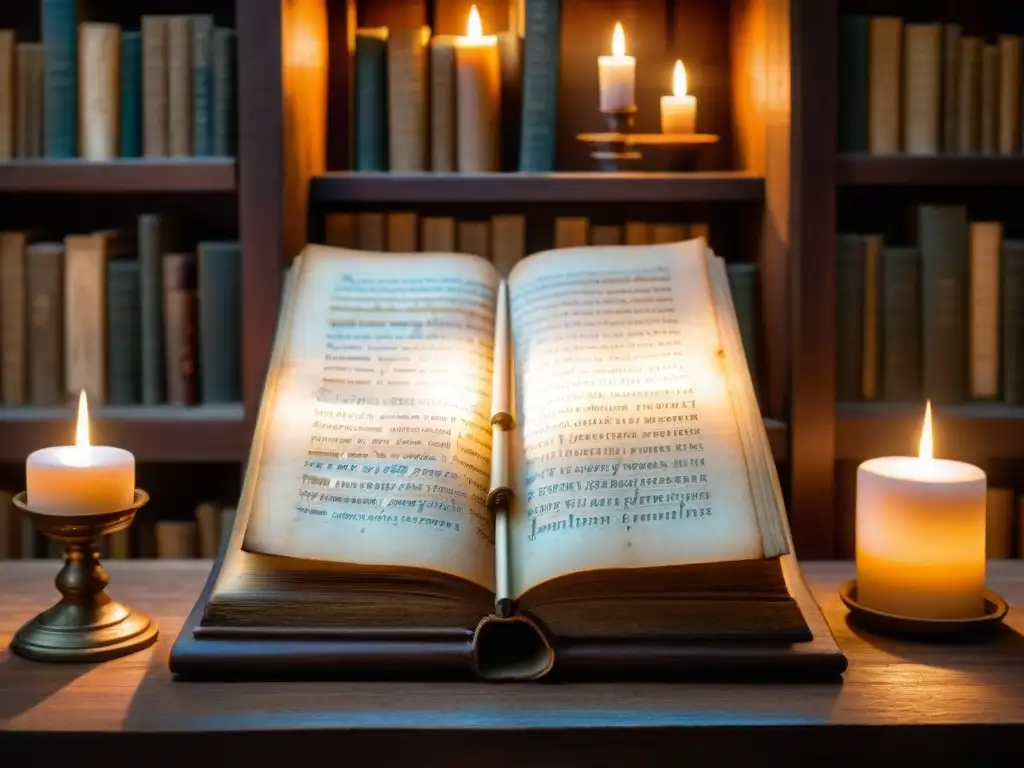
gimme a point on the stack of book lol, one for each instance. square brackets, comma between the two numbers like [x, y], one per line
[926, 89]
[147, 538]
[121, 314]
[93, 91]
[943, 319]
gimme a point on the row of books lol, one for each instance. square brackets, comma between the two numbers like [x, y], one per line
[90, 90]
[123, 315]
[405, 93]
[943, 319]
[146, 538]
[926, 89]
[502, 240]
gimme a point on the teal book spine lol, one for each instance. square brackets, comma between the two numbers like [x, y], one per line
[202, 86]
[220, 322]
[224, 86]
[942, 240]
[1012, 320]
[900, 324]
[851, 268]
[743, 285]
[540, 85]
[60, 78]
[853, 83]
[124, 345]
[131, 94]
[371, 103]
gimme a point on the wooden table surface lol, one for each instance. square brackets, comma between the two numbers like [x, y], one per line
[897, 701]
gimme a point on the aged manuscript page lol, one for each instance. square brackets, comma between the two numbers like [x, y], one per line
[378, 441]
[629, 449]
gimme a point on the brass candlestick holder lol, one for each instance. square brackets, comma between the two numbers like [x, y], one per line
[86, 625]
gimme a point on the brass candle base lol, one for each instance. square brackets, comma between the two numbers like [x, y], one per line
[86, 625]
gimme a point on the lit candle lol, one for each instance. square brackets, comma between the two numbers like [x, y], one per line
[678, 111]
[616, 75]
[478, 98]
[80, 479]
[921, 534]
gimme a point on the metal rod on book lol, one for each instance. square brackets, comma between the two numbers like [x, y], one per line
[502, 596]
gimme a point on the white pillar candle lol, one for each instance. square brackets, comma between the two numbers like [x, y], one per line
[678, 111]
[920, 531]
[616, 75]
[478, 98]
[80, 479]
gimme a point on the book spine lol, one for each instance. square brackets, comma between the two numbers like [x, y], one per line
[98, 65]
[13, 318]
[371, 101]
[942, 238]
[668, 233]
[571, 231]
[179, 86]
[8, 82]
[407, 99]
[989, 120]
[1012, 311]
[604, 234]
[202, 86]
[60, 77]
[951, 34]
[853, 83]
[208, 517]
[85, 314]
[154, 86]
[180, 327]
[541, 48]
[1009, 94]
[869, 350]
[637, 233]
[124, 369]
[29, 109]
[224, 80]
[442, 103]
[153, 241]
[968, 124]
[176, 540]
[986, 239]
[340, 230]
[438, 234]
[510, 52]
[402, 231]
[850, 272]
[884, 53]
[46, 323]
[743, 286]
[370, 231]
[922, 78]
[900, 324]
[220, 322]
[509, 241]
[131, 94]
[475, 237]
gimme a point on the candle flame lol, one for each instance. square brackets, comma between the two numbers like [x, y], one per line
[926, 449]
[618, 40]
[474, 27]
[679, 80]
[82, 428]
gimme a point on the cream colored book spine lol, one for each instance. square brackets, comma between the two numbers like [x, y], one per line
[407, 99]
[922, 76]
[99, 50]
[154, 86]
[179, 86]
[885, 39]
[85, 297]
[442, 103]
[986, 238]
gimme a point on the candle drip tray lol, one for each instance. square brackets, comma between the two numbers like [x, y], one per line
[926, 630]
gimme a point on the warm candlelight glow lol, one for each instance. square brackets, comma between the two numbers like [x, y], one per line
[474, 27]
[618, 40]
[926, 449]
[679, 80]
[82, 428]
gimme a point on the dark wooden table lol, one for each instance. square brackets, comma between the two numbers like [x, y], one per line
[898, 702]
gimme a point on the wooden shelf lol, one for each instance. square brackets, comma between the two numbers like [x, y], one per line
[179, 174]
[391, 188]
[971, 431]
[153, 433]
[950, 170]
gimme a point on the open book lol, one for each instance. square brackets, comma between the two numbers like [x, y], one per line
[572, 456]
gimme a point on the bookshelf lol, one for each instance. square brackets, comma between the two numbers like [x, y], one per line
[171, 175]
[874, 170]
